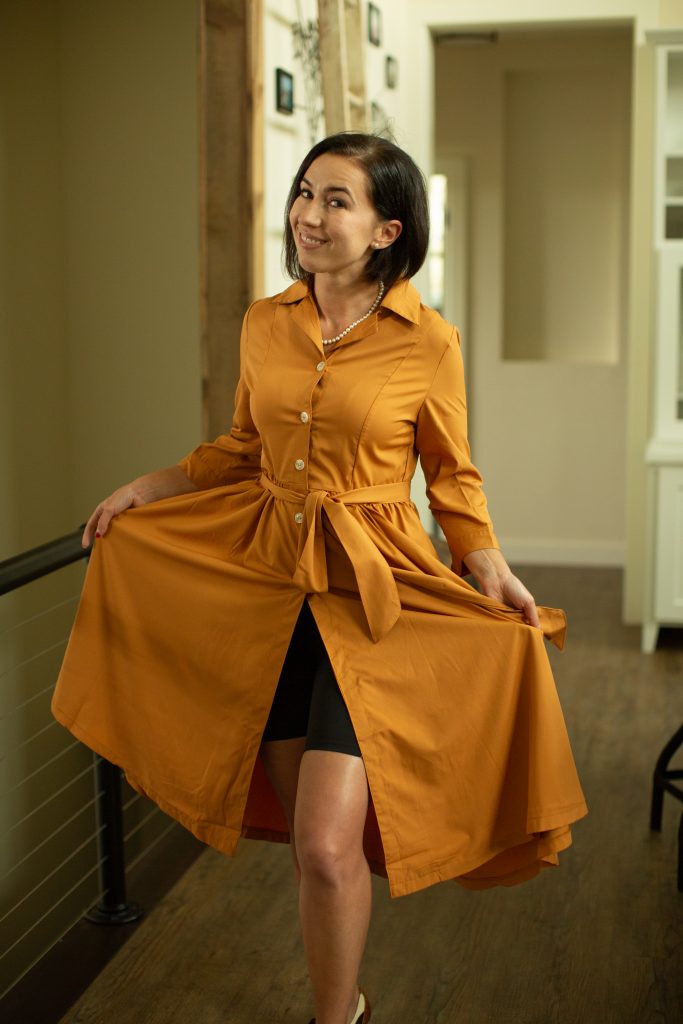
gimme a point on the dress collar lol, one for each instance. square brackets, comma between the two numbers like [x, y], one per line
[402, 298]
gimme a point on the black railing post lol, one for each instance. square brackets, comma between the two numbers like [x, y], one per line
[113, 907]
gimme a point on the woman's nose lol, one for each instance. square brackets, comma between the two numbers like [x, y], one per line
[311, 213]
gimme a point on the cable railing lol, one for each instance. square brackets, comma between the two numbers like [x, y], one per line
[42, 794]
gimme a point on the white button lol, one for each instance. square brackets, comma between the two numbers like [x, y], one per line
[303, 416]
[298, 517]
[299, 464]
[321, 365]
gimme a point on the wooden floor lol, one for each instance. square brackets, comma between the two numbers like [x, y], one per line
[598, 941]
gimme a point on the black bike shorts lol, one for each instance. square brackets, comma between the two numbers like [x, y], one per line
[307, 701]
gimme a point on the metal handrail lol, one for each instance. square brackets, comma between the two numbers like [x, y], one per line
[41, 561]
[114, 907]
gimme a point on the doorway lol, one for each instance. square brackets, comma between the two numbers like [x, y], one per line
[541, 121]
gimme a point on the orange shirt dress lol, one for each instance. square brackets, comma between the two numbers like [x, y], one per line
[189, 605]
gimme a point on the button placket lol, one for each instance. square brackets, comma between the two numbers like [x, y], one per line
[304, 417]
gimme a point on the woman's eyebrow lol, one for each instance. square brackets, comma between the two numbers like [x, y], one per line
[331, 188]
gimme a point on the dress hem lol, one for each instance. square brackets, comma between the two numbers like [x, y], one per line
[401, 879]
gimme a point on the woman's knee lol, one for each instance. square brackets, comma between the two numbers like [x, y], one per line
[326, 855]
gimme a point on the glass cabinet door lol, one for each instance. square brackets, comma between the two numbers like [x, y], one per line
[673, 144]
[668, 397]
[679, 376]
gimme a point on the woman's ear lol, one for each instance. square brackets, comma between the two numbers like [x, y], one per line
[387, 233]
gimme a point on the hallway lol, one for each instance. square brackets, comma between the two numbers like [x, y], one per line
[599, 941]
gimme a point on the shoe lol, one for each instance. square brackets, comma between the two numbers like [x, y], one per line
[363, 1011]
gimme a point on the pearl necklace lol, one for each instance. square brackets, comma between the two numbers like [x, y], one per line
[373, 307]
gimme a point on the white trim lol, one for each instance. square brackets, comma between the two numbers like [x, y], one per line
[603, 553]
[664, 36]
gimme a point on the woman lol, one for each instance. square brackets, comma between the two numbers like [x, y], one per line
[275, 650]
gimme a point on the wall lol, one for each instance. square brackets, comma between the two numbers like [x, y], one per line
[99, 381]
[99, 255]
[131, 239]
[643, 15]
[34, 501]
[548, 220]
[445, 14]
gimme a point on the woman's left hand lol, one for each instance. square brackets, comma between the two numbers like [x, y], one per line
[496, 579]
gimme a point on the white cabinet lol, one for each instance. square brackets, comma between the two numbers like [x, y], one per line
[664, 456]
[668, 605]
[669, 169]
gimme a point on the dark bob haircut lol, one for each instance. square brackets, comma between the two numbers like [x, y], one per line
[397, 191]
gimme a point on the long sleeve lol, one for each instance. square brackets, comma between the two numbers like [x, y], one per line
[454, 486]
[232, 457]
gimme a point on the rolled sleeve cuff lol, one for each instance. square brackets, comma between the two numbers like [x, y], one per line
[197, 466]
[463, 540]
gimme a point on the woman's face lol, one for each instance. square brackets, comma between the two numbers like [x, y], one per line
[336, 228]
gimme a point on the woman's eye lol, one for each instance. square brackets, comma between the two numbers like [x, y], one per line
[305, 192]
[338, 203]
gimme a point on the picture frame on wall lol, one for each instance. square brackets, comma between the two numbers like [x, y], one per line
[284, 91]
[379, 119]
[374, 25]
[391, 72]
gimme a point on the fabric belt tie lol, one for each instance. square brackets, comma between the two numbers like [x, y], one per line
[376, 584]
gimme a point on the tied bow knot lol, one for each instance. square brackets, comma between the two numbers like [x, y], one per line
[376, 584]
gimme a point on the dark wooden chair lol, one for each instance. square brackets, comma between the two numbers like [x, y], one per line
[663, 781]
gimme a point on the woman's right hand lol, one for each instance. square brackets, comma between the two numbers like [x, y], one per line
[164, 483]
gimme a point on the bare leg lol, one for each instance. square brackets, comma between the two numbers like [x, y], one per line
[281, 760]
[334, 893]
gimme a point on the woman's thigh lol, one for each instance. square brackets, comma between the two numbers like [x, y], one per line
[331, 807]
[309, 713]
[281, 760]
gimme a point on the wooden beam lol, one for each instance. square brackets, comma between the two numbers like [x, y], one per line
[228, 147]
[333, 65]
[224, 13]
[255, 130]
[355, 60]
[342, 63]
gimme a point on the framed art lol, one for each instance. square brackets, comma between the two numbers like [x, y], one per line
[374, 25]
[379, 119]
[284, 91]
[391, 72]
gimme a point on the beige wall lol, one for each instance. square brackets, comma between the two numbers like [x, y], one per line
[99, 379]
[99, 278]
[34, 496]
[547, 281]
[441, 14]
[131, 238]
[565, 195]
[671, 13]
[643, 15]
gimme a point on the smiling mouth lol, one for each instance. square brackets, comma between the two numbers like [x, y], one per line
[309, 241]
